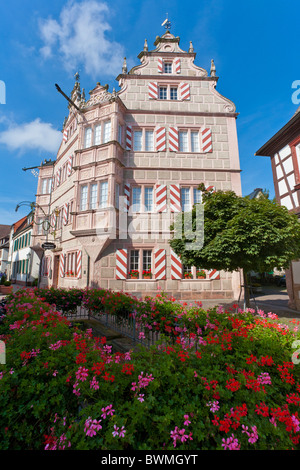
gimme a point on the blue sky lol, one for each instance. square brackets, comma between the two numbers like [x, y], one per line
[253, 44]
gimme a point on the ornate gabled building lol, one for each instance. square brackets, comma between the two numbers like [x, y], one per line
[128, 163]
[284, 151]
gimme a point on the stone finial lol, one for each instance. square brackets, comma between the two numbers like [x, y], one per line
[145, 45]
[124, 68]
[82, 98]
[212, 68]
[191, 49]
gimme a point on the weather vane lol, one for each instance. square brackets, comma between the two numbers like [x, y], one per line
[167, 23]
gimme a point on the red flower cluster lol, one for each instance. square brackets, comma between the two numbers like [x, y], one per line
[128, 369]
[233, 385]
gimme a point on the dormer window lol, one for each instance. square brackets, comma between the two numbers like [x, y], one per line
[167, 67]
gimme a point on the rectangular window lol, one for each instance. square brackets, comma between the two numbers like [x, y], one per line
[163, 93]
[46, 185]
[134, 260]
[106, 131]
[183, 141]
[136, 199]
[147, 260]
[93, 195]
[120, 134]
[70, 264]
[137, 140]
[97, 134]
[167, 67]
[185, 199]
[195, 142]
[149, 141]
[103, 194]
[173, 93]
[117, 195]
[197, 196]
[88, 137]
[83, 197]
[148, 199]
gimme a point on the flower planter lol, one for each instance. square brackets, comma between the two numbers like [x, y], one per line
[6, 290]
[147, 276]
[201, 277]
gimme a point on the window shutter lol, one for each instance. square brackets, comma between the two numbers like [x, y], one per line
[173, 139]
[121, 264]
[160, 139]
[175, 204]
[206, 140]
[177, 64]
[62, 265]
[128, 138]
[213, 274]
[79, 264]
[152, 90]
[70, 164]
[58, 177]
[176, 266]
[160, 263]
[126, 197]
[65, 135]
[160, 65]
[185, 91]
[161, 197]
[65, 213]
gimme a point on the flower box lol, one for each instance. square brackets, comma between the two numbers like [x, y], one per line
[6, 290]
[201, 274]
[134, 274]
[188, 276]
[147, 275]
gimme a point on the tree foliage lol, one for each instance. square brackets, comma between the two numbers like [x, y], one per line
[252, 234]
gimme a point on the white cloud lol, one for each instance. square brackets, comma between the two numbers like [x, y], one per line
[35, 135]
[79, 38]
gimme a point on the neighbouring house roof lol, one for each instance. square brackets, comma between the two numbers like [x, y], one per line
[257, 192]
[4, 231]
[21, 225]
[283, 137]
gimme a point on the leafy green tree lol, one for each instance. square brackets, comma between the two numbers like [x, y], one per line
[239, 233]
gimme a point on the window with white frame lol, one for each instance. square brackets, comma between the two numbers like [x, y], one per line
[173, 93]
[142, 198]
[167, 67]
[163, 93]
[185, 199]
[70, 264]
[120, 134]
[136, 198]
[189, 196]
[117, 196]
[168, 92]
[93, 195]
[189, 140]
[143, 140]
[138, 140]
[149, 140]
[46, 185]
[103, 194]
[106, 131]
[148, 198]
[97, 134]
[83, 197]
[140, 264]
[87, 137]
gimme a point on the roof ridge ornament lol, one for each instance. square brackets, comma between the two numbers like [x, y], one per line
[167, 24]
[212, 68]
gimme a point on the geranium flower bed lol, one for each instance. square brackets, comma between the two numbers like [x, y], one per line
[62, 388]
